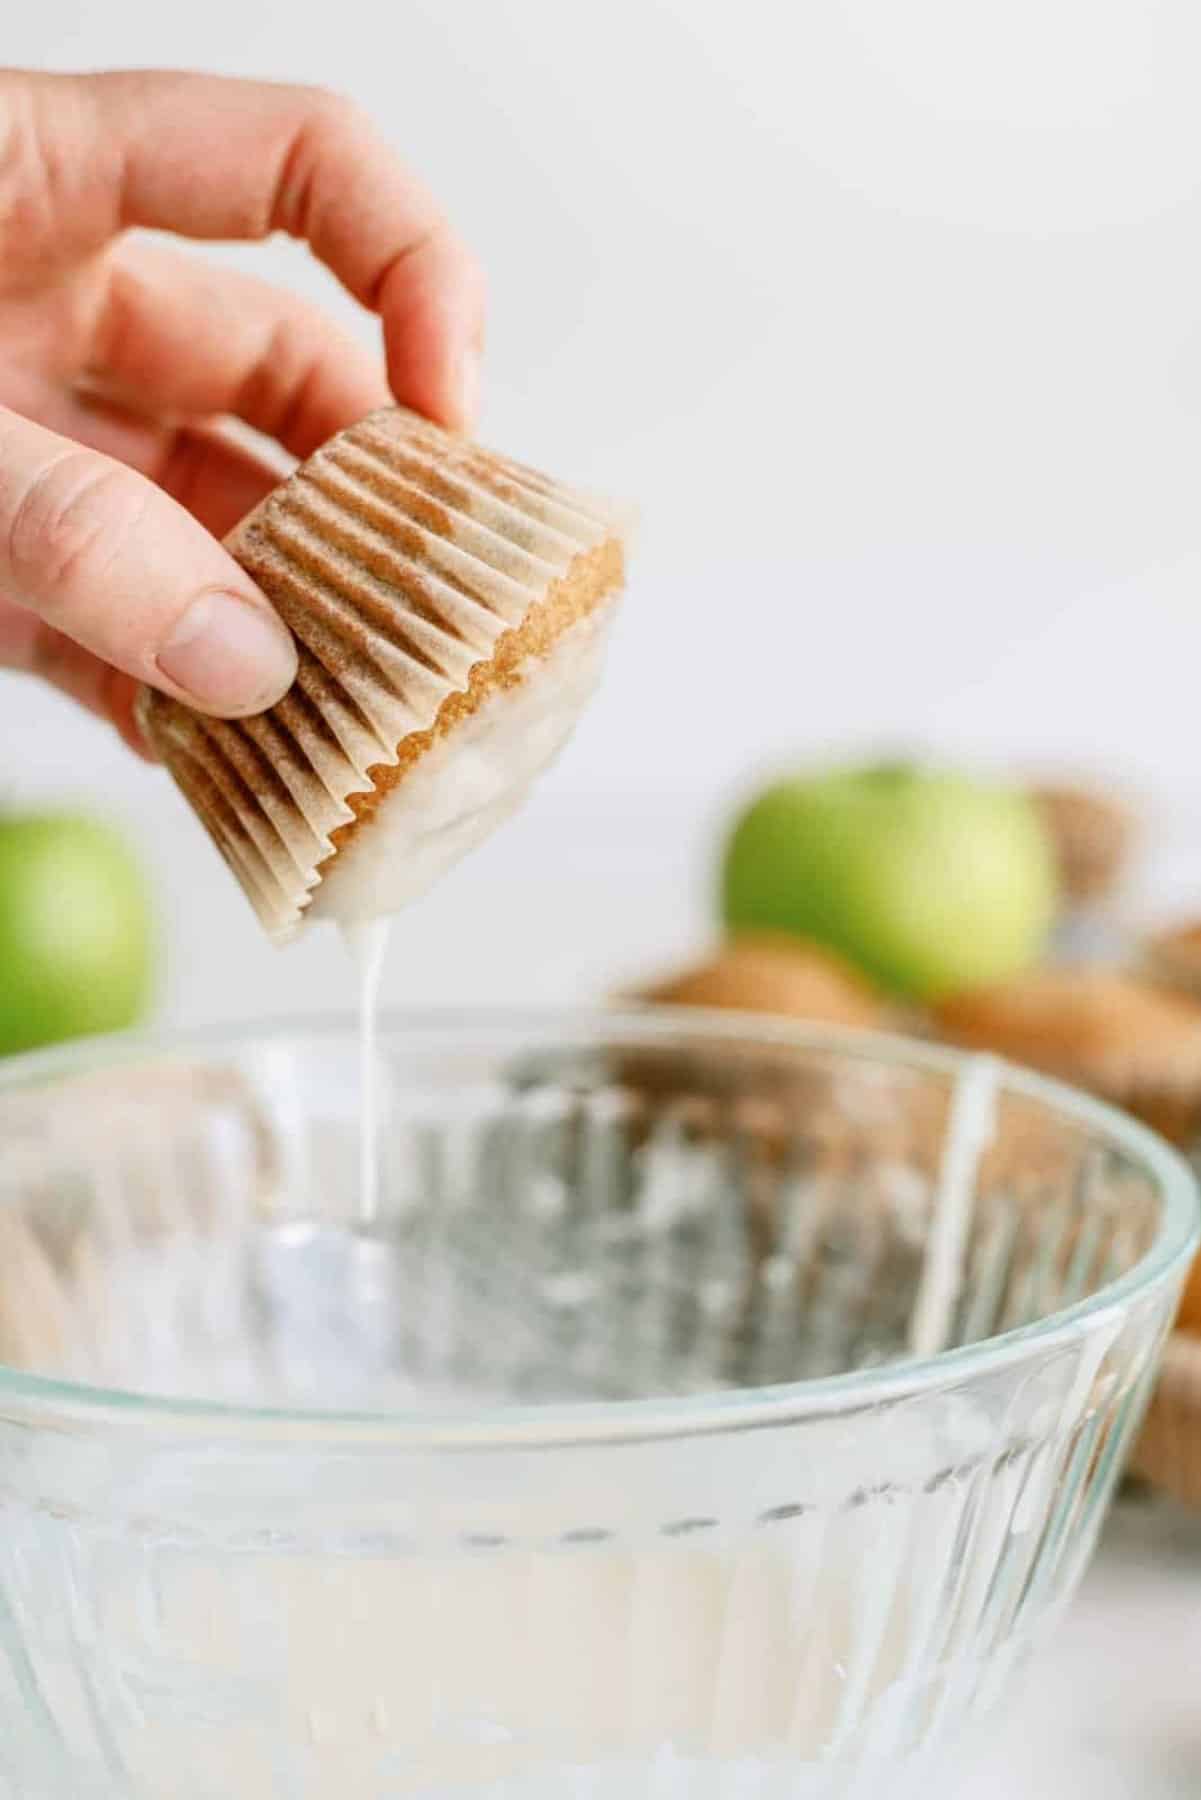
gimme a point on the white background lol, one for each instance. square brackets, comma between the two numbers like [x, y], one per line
[888, 316]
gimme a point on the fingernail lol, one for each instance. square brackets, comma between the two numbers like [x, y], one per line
[229, 655]
[469, 386]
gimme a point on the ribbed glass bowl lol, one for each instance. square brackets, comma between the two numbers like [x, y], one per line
[607, 1458]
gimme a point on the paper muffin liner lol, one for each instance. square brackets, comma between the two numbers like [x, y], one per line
[419, 574]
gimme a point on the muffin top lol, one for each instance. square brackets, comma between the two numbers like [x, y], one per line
[772, 973]
[1116, 1035]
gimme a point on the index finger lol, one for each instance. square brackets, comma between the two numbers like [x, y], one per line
[211, 157]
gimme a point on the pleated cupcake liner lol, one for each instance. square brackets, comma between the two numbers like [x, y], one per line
[412, 568]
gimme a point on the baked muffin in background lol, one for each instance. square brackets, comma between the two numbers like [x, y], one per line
[1173, 961]
[1172, 958]
[1189, 1316]
[1117, 1036]
[1093, 836]
[776, 974]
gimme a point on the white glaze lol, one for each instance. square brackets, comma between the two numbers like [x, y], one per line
[971, 1130]
[367, 944]
[463, 787]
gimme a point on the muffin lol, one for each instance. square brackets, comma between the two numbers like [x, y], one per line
[1168, 1451]
[1091, 834]
[450, 607]
[779, 975]
[773, 1095]
[1119, 1037]
[1172, 959]
[1189, 1316]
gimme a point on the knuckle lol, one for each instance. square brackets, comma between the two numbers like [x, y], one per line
[65, 529]
[328, 111]
[324, 126]
[267, 374]
[22, 172]
[52, 175]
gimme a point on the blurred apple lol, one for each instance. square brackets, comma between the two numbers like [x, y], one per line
[929, 881]
[76, 933]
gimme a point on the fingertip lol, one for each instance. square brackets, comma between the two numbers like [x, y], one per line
[433, 306]
[228, 656]
[468, 389]
[447, 392]
[470, 363]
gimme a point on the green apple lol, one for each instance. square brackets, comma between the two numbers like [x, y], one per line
[76, 934]
[931, 881]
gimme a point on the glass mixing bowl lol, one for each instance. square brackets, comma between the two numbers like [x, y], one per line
[709, 1407]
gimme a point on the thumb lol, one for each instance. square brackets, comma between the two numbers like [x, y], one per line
[112, 562]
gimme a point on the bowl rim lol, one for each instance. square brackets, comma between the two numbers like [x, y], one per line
[41, 1399]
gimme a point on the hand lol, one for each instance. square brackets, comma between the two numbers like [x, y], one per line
[118, 359]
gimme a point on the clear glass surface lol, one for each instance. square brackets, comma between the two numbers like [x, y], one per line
[604, 1459]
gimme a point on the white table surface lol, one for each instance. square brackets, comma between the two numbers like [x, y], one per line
[574, 900]
[1111, 1710]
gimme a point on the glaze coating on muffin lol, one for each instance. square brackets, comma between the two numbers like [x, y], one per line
[432, 587]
